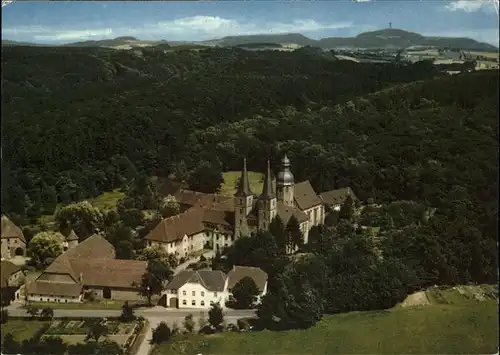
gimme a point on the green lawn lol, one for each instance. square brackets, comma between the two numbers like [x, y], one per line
[107, 200]
[111, 305]
[434, 329]
[22, 329]
[228, 188]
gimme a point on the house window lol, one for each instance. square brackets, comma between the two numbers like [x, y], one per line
[193, 303]
[215, 294]
[65, 301]
[193, 293]
[184, 293]
[41, 299]
[202, 293]
[173, 291]
[202, 303]
[184, 302]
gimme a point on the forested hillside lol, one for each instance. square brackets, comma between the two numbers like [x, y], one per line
[74, 119]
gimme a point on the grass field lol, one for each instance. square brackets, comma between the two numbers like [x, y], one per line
[228, 188]
[458, 326]
[107, 200]
[22, 329]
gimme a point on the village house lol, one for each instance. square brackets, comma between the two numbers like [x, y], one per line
[199, 289]
[12, 240]
[11, 278]
[88, 268]
[215, 221]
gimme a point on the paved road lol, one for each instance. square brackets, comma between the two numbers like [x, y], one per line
[155, 312]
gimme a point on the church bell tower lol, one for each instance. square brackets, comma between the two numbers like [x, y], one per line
[284, 183]
[267, 202]
[243, 203]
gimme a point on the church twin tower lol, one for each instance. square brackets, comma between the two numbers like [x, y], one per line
[252, 215]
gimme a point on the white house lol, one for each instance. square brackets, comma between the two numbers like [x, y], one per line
[199, 289]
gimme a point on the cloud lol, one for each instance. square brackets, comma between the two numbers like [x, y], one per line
[471, 5]
[188, 28]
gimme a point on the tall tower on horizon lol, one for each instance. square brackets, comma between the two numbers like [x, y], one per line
[390, 25]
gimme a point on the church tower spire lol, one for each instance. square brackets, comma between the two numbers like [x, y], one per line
[244, 185]
[243, 203]
[267, 202]
[285, 183]
[267, 189]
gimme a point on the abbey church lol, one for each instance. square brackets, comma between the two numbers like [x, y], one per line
[213, 221]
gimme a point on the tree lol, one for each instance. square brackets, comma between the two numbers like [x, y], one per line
[47, 313]
[169, 207]
[189, 323]
[161, 334]
[291, 304]
[245, 293]
[149, 286]
[86, 348]
[10, 345]
[4, 316]
[158, 253]
[82, 217]
[347, 209]
[108, 347]
[295, 236]
[202, 320]
[44, 246]
[161, 269]
[33, 311]
[206, 177]
[278, 230]
[96, 331]
[215, 315]
[127, 313]
[53, 345]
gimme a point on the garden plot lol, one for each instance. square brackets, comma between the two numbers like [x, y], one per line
[75, 331]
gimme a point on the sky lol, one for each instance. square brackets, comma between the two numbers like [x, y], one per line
[64, 22]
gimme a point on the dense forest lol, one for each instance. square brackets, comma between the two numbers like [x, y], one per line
[80, 121]
[75, 119]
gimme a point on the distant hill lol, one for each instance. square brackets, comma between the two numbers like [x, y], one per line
[382, 39]
[6, 42]
[395, 38]
[385, 38]
[295, 38]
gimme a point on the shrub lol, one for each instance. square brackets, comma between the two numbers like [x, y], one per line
[127, 313]
[4, 316]
[189, 323]
[243, 324]
[161, 334]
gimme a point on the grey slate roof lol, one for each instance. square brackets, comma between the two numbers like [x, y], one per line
[335, 197]
[305, 196]
[258, 275]
[212, 280]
